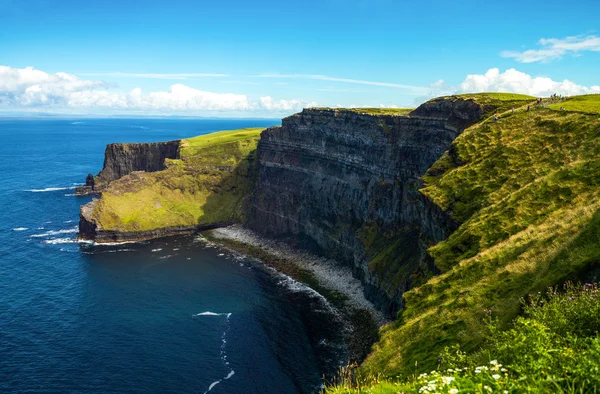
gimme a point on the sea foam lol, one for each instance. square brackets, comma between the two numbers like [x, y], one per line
[223, 344]
[50, 189]
[55, 232]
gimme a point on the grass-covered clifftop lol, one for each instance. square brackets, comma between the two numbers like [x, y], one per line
[526, 190]
[207, 185]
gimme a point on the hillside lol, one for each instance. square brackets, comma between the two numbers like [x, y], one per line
[526, 192]
[207, 185]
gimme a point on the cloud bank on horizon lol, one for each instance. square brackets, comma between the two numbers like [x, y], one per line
[28, 88]
[23, 89]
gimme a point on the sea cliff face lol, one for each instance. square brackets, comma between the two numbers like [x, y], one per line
[346, 185]
[342, 183]
[121, 159]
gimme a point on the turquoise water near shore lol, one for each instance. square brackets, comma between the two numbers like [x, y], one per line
[168, 315]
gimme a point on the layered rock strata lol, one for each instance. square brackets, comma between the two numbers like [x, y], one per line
[124, 158]
[346, 185]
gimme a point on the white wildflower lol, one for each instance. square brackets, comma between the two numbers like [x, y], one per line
[488, 388]
[494, 362]
[453, 391]
[496, 376]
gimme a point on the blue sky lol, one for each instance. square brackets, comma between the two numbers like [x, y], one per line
[257, 58]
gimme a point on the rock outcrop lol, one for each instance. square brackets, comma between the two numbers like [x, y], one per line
[346, 185]
[207, 184]
[342, 183]
[124, 158]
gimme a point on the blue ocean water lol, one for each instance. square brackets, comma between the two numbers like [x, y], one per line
[169, 315]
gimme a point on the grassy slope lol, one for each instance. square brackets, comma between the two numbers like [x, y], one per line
[207, 185]
[589, 104]
[526, 189]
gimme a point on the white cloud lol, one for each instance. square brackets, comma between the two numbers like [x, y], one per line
[30, 88]
[518, 82]
[154, 76]
[416, 89]
[554, 49]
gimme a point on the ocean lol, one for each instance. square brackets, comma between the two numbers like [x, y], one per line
[170, 315]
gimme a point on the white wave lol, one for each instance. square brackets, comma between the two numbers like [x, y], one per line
[20, 229]
[68, 221]
[221, 254]
[55, 232]
[223, 344]
[60, 241]
[156, 250]
[210, 314]
[77, 122]
[50, 189]
[120, 250]
[114, 243]
[213, 384]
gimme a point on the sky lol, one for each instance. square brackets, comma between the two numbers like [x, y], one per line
[264, 58]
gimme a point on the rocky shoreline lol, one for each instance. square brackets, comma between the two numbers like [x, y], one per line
[330, 274]
[327, 277]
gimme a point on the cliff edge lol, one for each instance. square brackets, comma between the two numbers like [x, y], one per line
[205, 186]
[124, 158]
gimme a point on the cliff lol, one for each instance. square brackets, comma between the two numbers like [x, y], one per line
[346, 184]
[205, 186]
[124, 158]
[445, 212]
[525, 190]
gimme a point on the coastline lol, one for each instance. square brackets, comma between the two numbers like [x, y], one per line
[324, 276]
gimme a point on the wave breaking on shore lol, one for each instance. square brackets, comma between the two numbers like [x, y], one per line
[329, 273]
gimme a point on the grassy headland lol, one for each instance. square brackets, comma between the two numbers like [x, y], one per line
[207, 185]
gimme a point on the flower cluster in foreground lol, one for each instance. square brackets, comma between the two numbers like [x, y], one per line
[482, 379]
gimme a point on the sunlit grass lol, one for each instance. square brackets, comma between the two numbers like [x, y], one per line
[589, 103]
[208, 185]
[527, 191]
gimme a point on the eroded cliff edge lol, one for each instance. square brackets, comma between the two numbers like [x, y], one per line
[346, 184]
[122, 159]
[342, 183]
[206, 185]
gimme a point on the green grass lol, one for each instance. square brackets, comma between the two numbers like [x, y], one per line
[527, 192]
[589, 103]
[493, 97]
[382, 111]
[553, 347]
[208, 185]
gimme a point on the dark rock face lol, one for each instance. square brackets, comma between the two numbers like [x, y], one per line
[329, 177]
[123, 159]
